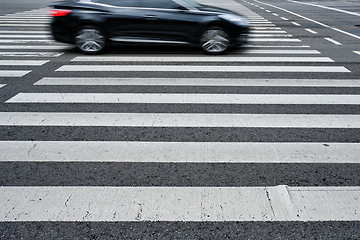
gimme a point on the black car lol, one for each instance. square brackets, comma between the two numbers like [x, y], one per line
[91, 24]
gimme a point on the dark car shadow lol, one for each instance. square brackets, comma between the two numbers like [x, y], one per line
[153, 49]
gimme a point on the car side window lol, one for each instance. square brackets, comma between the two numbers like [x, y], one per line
[119, 3]
[165, 4]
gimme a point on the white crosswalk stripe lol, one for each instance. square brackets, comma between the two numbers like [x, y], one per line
[192, 204]
[180, 120]
[14, 40]
[210, 203]
[197, 152]
[198, 82]
[184, 98]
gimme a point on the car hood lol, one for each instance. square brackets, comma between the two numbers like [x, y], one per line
[207, 8]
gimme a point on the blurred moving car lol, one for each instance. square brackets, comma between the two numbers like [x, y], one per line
[91, 24]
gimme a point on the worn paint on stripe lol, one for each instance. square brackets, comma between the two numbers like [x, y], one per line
[168, 68]
[179, 152]
[200, 82]
[179, 120]
[279, 203]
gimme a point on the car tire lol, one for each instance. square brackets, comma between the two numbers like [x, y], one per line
[90, 40]
[215, 40]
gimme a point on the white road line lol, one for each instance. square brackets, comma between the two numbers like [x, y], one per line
[32, 18]
[13, 73]
[289, 51]
[31, 54]
[23, 25]
[275, 14]
[179, 120]
[264, 28]
[333, 41]
[199, 82]
[267, 31]
[25, 36]
[322, 24]
[24, 21]
[201, 204]
[2, 85]
[168, 68]
[178, 152]
[296, 24]
[33, 47]
[311, 31]
[184, 98]
[330, 8]
[22, 62]
[255, 35]
[357, 52]
[278, 46]
[26, 40]
[258, 22]
[283, 18]
[25, 32]
[262, 25]
[274, 40]
[199, 59]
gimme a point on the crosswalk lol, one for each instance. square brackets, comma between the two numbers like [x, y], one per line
[139, 112]
[22, 35]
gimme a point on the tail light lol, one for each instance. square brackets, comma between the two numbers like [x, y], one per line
[59, 12]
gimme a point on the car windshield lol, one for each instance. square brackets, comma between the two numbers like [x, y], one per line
[192, 3]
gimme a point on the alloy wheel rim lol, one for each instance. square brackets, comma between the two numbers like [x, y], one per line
[215, 41]
[90, 40]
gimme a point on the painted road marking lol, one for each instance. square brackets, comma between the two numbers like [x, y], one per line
[275, 203]
[199, 82]
[168, 68]
[13, 73]
[184, 98]
[31, 54]
[22, 62]
[179, 120]
[180, 152]
[310, 31]
[199, 59]
[333, 41]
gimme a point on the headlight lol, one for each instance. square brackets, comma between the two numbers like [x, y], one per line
[235, 19]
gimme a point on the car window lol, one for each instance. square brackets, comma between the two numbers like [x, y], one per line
[166, 4]
[119, 3]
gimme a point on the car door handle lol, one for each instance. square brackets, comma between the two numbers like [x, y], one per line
[150, 16]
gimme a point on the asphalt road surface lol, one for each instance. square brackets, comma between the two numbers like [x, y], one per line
[148, 142]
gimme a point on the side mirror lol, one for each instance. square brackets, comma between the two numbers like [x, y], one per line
[181, 8]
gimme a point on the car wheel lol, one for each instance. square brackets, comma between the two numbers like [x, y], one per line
[90, 40]
[215, 40]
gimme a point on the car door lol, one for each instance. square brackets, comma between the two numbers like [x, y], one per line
[125, 19]
[168, 20]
